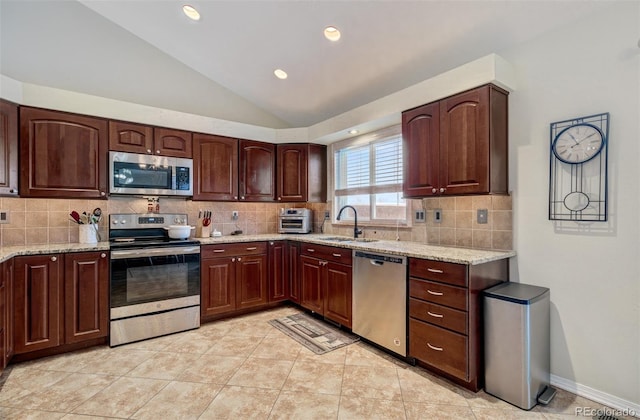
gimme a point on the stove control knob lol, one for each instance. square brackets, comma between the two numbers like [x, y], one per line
[114, 221]
[123, 222]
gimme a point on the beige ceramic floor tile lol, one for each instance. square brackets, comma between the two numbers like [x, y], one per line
[191, 342]
[370, 409]
[234, 402]
[22, 382]
[334, 357]
[371, 382]
[210, 368]
[313, 377]
[164, 365]
[179, 400]
[122, 398]
[419, 386]
[117, 361]
[249, 328]
[66, 394]
[262, 373]
[423, 411]
[154, 344]
[305, 405]
[83, 417]
[361, 354]
[20, 414]
[279, 348]
[237, 346]
[497, 414]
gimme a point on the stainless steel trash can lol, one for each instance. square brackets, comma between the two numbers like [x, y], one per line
[516, 346]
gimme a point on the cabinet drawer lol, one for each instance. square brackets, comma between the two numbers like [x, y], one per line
[454, 297]
[328, 253]
[442, 316]
[444, 272]
[442, 349]
[231, 250]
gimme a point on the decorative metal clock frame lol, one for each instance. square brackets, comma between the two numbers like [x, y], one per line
[578, 184]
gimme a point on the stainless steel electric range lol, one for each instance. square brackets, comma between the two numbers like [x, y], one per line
[154, 281]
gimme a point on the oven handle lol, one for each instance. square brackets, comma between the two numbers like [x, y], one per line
[154, 252]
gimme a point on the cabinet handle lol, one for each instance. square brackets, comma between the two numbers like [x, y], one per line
[435, 315]
[337, 255]
[102, 193]
[149, 151]
[235, 197]
[103, 255]
[158, 151]
[54, 259]
[442, 190]
[218, 250]
[311, 250]
[13, 191]
[434, 347]
[433, 270]
[279, 198]
[233, 260]
[270, 243]
[431, 292]
[242, 198]
[253, 248]
[434, 190]
[239, 259]
[323, 263]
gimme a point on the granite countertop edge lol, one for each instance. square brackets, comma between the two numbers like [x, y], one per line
[467, 256]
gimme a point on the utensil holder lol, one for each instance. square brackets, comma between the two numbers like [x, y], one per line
[88, 234]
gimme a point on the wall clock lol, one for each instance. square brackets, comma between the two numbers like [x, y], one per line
[578, 169]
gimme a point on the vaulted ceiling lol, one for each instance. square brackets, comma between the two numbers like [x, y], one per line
[149, 52]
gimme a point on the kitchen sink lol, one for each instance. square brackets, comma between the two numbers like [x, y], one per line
[347, 239]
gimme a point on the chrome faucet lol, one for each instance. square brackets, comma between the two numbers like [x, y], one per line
[356, 231]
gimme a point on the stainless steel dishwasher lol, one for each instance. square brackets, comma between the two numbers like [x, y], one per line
[380, 299]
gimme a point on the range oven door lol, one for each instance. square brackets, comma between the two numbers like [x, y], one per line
[154, 280]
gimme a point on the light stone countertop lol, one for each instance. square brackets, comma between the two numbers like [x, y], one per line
[465, 256]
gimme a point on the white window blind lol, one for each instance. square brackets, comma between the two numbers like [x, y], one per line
[369, 177]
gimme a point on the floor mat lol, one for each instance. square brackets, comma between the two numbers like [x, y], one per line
[317, 336]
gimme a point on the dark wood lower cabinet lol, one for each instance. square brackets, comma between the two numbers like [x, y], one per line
[337, 301]
[251, 281]
[86, 300]
[278, 271]
[293, 260]
[218, 286]
[38, 301]
[311, 284]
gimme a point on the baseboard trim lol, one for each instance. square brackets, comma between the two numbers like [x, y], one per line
[628, 407]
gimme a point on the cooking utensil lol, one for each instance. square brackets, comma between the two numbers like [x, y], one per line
[179, 231]
[98, 213]
[76, 217]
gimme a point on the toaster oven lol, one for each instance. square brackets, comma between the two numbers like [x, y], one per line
[295, 221]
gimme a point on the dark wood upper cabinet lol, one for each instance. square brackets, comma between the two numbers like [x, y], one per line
[215, 168]
[457, 145]
[301, 172]
[8, 148]
[62, 155]
[169, 142]
[86, 287]
[257, 176]
[138, 138]
[130, 137]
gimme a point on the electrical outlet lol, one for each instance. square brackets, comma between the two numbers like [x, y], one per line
[437, 215]
[483, 216]
[4, 216]
[419, 216]
[327, 215]
[234, 215]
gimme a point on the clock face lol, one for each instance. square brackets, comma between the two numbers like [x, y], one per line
[578, 143]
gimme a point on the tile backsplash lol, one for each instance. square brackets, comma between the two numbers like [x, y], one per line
[34, 221]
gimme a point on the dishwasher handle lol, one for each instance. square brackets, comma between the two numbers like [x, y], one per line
[380, 259]
[377, 262]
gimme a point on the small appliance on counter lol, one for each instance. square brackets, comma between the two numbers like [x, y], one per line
[295, 221]
[154, 283]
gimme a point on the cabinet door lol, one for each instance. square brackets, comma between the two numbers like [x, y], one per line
[464, 125]
[292, 172]
[278, 271]
[294, 271]
[130, 137]
[251, 287]
[168, 142]
[311, 284]
[3, 319]
[421, 150]
[215, 167]
[218, 286]
[8, 148]
[62, 155]
[86, 284]
[38, 302]
[337, 300]
[9, 341]
[257, 177]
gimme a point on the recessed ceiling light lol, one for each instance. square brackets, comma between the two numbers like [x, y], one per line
[280, 74]
[332, 33]
[353, 131]
[191, 12]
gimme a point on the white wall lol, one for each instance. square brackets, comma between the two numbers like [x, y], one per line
[584, 68]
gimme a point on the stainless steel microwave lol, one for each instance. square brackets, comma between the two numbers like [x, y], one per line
[137, 174]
